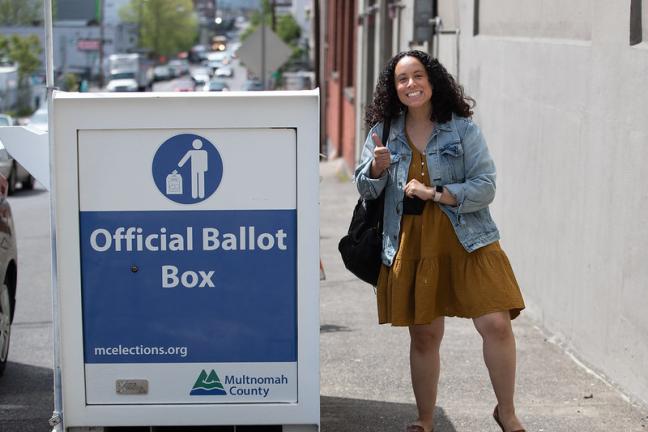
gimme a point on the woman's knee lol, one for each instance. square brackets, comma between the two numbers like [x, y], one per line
[494, 325]
[427, 337]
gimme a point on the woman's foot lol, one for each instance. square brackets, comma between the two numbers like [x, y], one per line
[417, 426]
[509, 419]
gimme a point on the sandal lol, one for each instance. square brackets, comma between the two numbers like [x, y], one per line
[499, 423]
[416, 428]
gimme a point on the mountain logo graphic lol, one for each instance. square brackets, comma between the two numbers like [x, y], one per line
[208, 385]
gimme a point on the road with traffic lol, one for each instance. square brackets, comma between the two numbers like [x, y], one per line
[184, 83]
[26, 395]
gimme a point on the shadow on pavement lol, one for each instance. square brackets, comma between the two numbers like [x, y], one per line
[26, 403]
[357, 415]
[26, 398]
[332, 328]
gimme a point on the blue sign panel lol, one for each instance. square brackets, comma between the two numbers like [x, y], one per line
[187, 168]
[189, 286]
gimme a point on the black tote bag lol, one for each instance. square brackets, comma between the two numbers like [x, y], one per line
[361, 248]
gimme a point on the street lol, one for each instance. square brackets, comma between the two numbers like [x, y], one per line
[184, 82]
[365, 383]
[26, 395]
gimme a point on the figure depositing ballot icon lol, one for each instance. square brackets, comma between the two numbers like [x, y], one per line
[198, 160]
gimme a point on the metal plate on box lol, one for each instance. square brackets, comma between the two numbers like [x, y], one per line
[131, 387]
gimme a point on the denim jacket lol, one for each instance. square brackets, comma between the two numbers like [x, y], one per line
[457, 158]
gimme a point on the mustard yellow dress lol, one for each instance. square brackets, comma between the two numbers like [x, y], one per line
[433, 275]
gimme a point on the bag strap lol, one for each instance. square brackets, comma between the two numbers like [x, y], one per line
[381, 198]
[385, 131]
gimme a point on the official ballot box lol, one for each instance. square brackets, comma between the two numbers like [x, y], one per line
[187, 233]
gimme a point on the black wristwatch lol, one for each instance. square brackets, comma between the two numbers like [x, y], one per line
[438, 193]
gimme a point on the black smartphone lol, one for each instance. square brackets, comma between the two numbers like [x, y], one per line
[413, 206]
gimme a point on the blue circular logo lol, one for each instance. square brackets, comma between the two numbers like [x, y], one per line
[187, 168]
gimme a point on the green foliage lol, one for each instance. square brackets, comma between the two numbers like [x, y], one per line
[257, 17]
[22, 111]
[24, 51]
[286, 26]
[20, 12]
[166, 26]
[288, 29]
[70, 82]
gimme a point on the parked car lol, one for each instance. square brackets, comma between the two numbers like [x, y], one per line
[178, 67]
[224, 72]
[216, 85]
[199, 76]
[38, 120]
[197, 54]
[253, 85]
[6, 120]
[9, 168]
[233, 49]
[185, 86]
[122, 82]
[161, 73]
[8, 273]
[13, 172]
[216, 60]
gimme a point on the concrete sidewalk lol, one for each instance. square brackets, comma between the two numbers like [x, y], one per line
[365, 384]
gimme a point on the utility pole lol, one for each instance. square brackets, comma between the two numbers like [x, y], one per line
[140, 14]
[263, 54]
[100, 11]
[273, 5]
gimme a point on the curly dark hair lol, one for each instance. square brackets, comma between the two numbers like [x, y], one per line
[448, 97]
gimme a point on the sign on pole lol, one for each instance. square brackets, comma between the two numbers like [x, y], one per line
[263, 52]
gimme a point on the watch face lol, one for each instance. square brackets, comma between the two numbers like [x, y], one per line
[439, 189]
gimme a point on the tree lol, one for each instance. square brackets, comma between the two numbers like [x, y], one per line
[165, 26]
[24, 51]
[286, 27]
[20, 12]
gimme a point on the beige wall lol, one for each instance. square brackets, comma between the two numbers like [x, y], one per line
[537, 18]
[561, 100]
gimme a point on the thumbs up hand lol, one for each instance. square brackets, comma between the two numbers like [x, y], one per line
[382, 157]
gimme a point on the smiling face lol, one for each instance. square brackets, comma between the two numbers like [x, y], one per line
[412, 84]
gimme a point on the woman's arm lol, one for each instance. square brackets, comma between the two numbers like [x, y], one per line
[478, 189]
[368, 186]
[415, 188]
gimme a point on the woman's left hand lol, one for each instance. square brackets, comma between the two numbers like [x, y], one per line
[415, 188]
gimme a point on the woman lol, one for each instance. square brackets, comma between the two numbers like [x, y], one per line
[441, 255]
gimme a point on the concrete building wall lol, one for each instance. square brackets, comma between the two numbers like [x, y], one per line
[537, 19]
[67, 56]
[561, 100]
[83, 10]
[301, 10]
[340, 78]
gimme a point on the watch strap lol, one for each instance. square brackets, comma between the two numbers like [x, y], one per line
[438, 193]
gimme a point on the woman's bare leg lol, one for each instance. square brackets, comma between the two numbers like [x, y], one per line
[499, 356]
[425, 365]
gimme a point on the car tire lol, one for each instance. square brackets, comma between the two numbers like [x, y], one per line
[12, 181]
[28, 183]
[5, 325]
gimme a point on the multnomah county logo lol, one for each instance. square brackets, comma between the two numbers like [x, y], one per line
[187, 168]
[208, 385]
